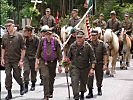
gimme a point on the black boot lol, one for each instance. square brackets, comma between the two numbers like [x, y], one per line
[121, 67]
[90, 95]
[51, 95]
[99, 91]
[9, 95]
[70, 84]
[127, 63]
[33, 86]
[82, 96]
[22, 90]
[41, 82]
[26, 88]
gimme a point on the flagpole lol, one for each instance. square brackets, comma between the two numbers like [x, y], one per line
[64, 44]
[83, 17]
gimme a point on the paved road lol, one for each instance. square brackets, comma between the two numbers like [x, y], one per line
[118, 88]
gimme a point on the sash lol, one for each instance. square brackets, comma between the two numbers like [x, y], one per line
[52, 50]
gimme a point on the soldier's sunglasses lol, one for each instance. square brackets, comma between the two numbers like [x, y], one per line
[8, 25]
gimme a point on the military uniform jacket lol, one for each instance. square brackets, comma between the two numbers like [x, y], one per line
[81, 57]
[99, 23]
[31, 46]
[13, 44]
[50, 21]
[127, 26]
[73, 22]
[57, 50]
[114, 25]
[99, 50]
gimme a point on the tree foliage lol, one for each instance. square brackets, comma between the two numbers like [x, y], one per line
[5, 10]
[64, 7]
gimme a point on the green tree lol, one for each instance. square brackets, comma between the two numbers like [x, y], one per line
[5, 9]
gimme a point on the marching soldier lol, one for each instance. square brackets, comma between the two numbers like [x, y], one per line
[71, 40]
[42, 33]
[29, 59]
[13, 51]
[49, 51]
[75, 18]
[101, 63]
[114, 23]
[100, 22]
[48, 19]
[81, 56]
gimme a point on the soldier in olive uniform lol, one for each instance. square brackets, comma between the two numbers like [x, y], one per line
[100, 22]
[13, 51]
[75, 18]
[49, 51]
[29, 60]
[48, 20]
[116, 26]
[43, 31]
[81, 56]
[114, 23]
[101, 63]
[71, 40]
[127, 25]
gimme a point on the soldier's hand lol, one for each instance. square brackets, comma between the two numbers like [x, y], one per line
[105, 67]
[91, 73]
[20, 64]
[36, 67]
[2, 62]
[103, 30]
[59, 69]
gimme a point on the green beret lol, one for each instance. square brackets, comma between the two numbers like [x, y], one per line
[73, 30]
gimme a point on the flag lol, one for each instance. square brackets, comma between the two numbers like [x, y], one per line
[57, 18]
[88, 27]
[85, 26]
[89, 3]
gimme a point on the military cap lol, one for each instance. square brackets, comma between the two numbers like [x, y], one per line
[48, 9]
[102, 14]
[94, 32]
[46, 28]
[9, 21]
[113, 12]
[126, 15]
[73, 30]
[28, 27]
[80, 33]
[75, 10]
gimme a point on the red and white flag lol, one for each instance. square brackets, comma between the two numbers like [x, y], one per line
[88, 27]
